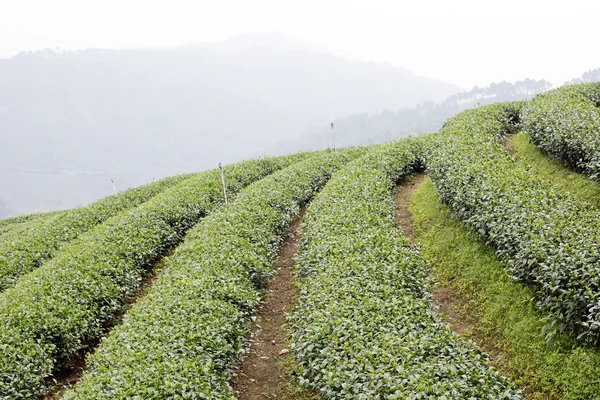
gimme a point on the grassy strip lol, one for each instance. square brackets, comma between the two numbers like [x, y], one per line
[560, 368]
[363, 328]
[25, 249]
[50, 313]
[532, 159]
[181, 340]
[565, 123]
[549, 238]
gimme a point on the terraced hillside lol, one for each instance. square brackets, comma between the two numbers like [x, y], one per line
[481, 281]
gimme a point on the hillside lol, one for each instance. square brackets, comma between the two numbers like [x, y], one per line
[72, 121]
[460, 264]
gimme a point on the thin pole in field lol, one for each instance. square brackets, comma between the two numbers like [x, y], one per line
[223, 184]
[333, 135]
[114, 187]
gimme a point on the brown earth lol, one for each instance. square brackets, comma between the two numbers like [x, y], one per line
[447, 302]
[508, 147]
[402, 196]
[262, 372]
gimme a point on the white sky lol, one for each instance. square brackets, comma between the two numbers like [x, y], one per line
[468, 42]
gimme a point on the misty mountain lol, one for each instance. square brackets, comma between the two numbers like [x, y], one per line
[70, 121]
[367, 128]
[273, 41]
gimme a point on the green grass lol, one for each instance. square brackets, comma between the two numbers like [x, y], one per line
[576, 184]
[501, 307]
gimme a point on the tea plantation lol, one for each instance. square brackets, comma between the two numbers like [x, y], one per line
[364, 323]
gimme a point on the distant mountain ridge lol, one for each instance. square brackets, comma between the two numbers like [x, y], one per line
[135, 115]
[366, 128]
[258, 40]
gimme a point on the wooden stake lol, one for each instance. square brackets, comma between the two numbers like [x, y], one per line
[333, 135]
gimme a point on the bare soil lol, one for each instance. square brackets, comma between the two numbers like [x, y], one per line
[402, 196]
[508, 147]
[448, 303]
[262, 372]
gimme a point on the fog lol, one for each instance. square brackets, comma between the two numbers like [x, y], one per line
[132, 91]
[73, 120]
[467, 42]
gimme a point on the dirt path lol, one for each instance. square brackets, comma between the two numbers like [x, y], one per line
[402, 196]
[444, 297]
[508, 146]
[262, 373]
[69, 374]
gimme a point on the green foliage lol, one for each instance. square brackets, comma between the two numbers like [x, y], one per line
[363, 327]
[16, 227]
[10, 231]
[532, 159]
[560, 368]
[549, 239]
[27, 247]
[26, 218]
[50, 313]
[565, 123]
[180, 341]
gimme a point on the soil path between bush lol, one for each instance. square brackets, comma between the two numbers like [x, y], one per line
[444, 297]
[402, 195]
[69, 374]
[262, 373]
[453, 306]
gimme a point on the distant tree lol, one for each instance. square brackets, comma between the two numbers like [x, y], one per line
[592, 75]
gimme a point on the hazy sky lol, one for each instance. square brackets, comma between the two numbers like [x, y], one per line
[468, 42]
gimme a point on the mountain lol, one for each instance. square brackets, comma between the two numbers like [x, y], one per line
[70, 121]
